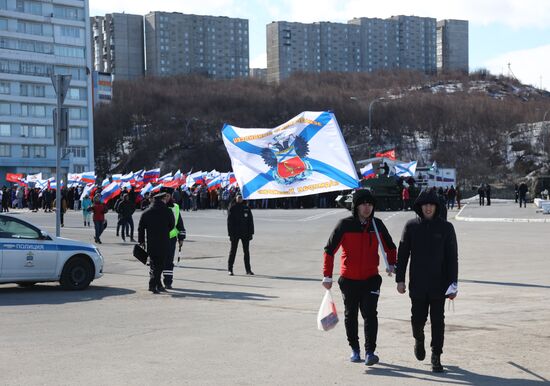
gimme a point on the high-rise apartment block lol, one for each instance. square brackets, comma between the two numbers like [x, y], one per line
[361, 45]
[39, 39]
[177, 43]
[315, 47]
[417, 43]
[452, 45]
[117, 45]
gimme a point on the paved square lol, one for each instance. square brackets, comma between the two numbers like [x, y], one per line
[213, 329]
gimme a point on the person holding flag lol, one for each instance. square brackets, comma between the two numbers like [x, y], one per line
[360, 235]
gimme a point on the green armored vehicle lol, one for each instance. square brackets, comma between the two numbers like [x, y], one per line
[387, 190]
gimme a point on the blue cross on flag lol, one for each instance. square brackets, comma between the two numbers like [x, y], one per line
[306, 155]
[405, 170]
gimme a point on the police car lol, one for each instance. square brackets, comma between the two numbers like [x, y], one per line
[29, 255]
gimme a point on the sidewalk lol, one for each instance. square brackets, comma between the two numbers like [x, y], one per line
[501, 211]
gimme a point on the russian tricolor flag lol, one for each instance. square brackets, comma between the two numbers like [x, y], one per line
[195, 178]
[151, 175]
[215, 183]
[146, 189]
[368, 171]
[88, 177]
[128, 178]
[111, 191]
[166, 177]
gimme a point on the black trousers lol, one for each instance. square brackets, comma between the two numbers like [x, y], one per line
[168, 271]
[419, 310]
[155, 271]
[233, 252]
[361, 295]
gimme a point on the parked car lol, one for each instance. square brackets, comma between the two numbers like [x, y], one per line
[29, 255]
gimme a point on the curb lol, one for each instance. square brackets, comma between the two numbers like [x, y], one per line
[497, 219]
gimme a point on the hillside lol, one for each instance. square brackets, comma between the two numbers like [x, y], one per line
[467, 122]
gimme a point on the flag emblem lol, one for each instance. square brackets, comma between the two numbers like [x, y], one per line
[284, 157]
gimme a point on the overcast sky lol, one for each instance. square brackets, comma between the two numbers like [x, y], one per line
[501, 31]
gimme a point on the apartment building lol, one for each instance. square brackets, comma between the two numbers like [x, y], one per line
[117, 45]
[39, 39]
[452, 45]
[178, 43]
[361, 45]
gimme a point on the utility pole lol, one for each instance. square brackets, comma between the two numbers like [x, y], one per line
[61, 128]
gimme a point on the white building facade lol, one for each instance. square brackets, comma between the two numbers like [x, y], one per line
[39, 39]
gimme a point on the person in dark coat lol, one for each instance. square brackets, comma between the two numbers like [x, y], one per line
[488, 194]
[240, 226]
[126, 209]
[481, 193]
[430, 244]
[157, 222]
[522, 191]
[359, 278]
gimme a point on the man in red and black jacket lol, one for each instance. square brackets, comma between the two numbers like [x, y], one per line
[359, 279]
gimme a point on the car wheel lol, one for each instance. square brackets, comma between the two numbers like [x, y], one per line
[26, 284]
[77, 274]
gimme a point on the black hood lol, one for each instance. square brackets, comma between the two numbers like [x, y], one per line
[427, 197]
[360, 197]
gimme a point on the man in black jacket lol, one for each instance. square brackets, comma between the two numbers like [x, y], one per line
[158, 221]
[430, 243]
[126, 209]
[240, 226]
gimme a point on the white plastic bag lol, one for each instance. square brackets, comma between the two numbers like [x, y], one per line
[327, 317]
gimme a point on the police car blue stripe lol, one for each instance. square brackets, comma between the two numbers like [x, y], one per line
[43, 247]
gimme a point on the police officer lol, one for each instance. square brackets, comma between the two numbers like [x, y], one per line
[176, 233]
[240, 226]
[157, 221]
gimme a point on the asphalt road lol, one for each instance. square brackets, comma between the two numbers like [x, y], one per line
[213, 329]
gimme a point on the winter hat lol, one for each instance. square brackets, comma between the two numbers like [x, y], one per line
[362, 196]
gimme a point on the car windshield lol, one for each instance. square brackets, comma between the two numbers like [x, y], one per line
[13, 229]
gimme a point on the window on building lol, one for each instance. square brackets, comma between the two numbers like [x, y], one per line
[32, 7]
[5, 109]
[33, 151]
[77, 151]
[79, 168]
[5, 130]
[70, 13]
[28, 110]
[5, 88]
[72, 32]
[69, 51]
[4, 4]
[78, 113]
[78, 133]
[33, 90]
[3, 24]
[33, 131]
[5, 150]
